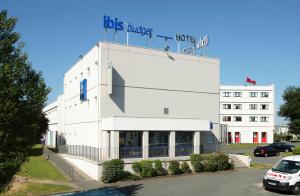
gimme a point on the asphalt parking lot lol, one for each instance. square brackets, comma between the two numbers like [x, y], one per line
[237, 182]
[246, 182]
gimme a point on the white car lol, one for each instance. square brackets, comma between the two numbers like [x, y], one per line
[284, 175]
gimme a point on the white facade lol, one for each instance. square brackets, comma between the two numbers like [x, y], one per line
[151, 101]
[248, 112]
[281, 129]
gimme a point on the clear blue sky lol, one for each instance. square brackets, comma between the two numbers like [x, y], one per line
[260, 39]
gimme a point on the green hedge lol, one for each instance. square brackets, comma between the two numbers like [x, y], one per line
[210, 162]
[112, 170]
[144, 168]
[296, 150]
[174, 167]
[197, 162]
[185, 168]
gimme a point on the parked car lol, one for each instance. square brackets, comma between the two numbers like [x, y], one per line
[285, 175]
[283, 146]
[265, 151]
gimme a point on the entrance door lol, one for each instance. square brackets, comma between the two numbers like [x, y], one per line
[229, 138]
[237, 138]
[255, 137]
[264, 137]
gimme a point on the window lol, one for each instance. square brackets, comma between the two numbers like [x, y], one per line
[237, 94]
[264, 94]
[264, 106]
[237, 119]
[252, 119]
[264, 119]
[166, 110]
[252, 94]
[88, 72]
[226, 118]
[226, 106]
[237, 106]
[253, 106]
[226, 94]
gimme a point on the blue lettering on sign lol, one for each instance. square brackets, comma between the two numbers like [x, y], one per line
[83, 90]
[117, 25]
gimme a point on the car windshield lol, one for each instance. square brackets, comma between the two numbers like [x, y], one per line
[287, 166]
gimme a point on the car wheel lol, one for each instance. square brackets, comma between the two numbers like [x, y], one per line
[296, 189]
[266, 154]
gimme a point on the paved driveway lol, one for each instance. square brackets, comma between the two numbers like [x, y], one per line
[241, 182]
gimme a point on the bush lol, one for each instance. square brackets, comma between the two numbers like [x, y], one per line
[185, 168]
[159, 170]
[144, 168]
[223, 162]
[196, 161]
[174, 168]
[296, 150]
[112, 170]
[210, 162]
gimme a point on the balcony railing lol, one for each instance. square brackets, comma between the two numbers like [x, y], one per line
[184, 149]
[131, 152]
[88, 152]
[158, 151]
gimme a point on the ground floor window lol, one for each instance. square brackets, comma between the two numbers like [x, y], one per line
[130, 143]
[184, 143]
[159, 143]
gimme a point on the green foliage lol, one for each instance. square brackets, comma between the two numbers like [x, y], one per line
[144, 168]
[296, 150]
[223, 163]
[129, 176]
[185, 168]
[196, 161]
[23, 95]
[112, 170]
[159, 170]
[290, 109]
[211, 162]
[174, 167]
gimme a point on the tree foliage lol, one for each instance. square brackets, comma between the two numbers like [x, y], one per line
[290, 109]
[23, 94]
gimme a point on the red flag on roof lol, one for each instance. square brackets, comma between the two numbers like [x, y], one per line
[249, 80]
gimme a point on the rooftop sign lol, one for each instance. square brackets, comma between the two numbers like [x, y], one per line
[118, 25]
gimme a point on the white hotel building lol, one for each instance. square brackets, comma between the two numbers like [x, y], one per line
[248, 112]
[135, 103]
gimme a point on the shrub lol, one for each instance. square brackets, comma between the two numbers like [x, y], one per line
[112, 170]
[174, 168]
[296, 150]
[196, 161]
[144, 168]
[223, 162]
[137, 167]
[185, 168]
[210, 162]
[159, 170]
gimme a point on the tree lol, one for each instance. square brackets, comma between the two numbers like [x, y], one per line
[23, 94]
[291, 108]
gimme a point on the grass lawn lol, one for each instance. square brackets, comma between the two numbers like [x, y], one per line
[261, 165]
[250, 145]
[32, 189]
[48, 176]
[39, 167]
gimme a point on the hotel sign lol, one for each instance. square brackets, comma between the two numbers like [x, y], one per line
[199, 44]
[116, 24]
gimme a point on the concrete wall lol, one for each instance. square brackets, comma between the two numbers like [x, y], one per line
[147, 81]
